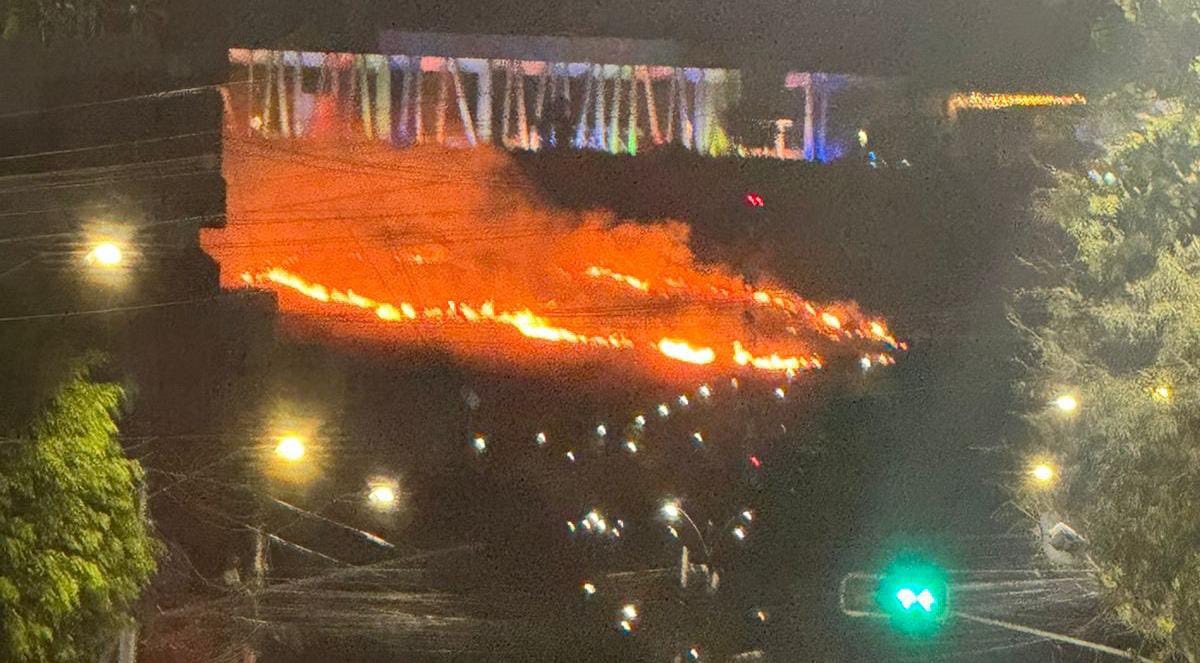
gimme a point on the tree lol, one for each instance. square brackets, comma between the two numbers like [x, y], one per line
[74, 545]
[1115, 321]
[79, 19]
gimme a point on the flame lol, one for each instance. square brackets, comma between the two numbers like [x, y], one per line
[631, 281]
[772, 362]
[334, 228]
[524, 321]
[684, 351]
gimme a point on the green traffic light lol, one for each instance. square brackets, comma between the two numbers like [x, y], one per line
[908, 598]
[914, 594]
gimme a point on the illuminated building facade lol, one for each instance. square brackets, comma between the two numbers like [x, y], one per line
[620, 96]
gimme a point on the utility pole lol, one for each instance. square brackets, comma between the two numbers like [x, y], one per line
[258, 573]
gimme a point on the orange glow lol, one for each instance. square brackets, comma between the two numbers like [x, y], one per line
[684, 351]
[333, 228]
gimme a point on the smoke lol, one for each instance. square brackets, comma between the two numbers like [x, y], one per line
[454, 248]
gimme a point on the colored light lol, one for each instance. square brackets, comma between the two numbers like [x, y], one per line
[914, 594]
[998, 100]
[1163, 393]
[753, 200]
[755, 462]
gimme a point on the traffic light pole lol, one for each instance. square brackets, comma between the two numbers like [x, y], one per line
[1086, 644]
[996, 623]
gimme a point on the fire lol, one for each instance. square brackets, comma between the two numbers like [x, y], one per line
[334, 228]
[631, 281]
[772, 362]
[524, 321]
[684, 351]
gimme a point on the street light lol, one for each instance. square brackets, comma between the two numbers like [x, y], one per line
[106, 254]
[1066, 403]
[382, 494]
[671, 511]
[1042, 472]
[290, 448]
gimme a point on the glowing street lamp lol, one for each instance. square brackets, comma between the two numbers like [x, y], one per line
[1067, 403]
[671, 510]
[1042, 472]
[382, 494]
[106, 254]
[290, 448]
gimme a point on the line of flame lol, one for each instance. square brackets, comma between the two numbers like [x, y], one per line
[531, 325]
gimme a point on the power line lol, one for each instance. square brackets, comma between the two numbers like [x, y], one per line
[106, 146]
[163, 94]
[126, 309]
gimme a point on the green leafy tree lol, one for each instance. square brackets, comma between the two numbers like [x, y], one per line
[1115, 321]
[74, 546]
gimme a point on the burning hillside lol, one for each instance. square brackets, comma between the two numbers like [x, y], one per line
[454, 249]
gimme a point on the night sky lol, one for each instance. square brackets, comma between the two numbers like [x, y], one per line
[1041, 43]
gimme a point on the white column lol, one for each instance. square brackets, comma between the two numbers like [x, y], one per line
[418, 106]
[506, 117]
[581, 127]
[460, 95]
[824, 111]
[483, 106]
[598, 72]
[364, 95]
[383, 98]
[651, 107]
[281, 80]
[522, 117]
[631, 128]
[443, 102]
[406, 101]
[809, 106]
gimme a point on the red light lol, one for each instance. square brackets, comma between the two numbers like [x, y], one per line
[755, 462]
[753, 200]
